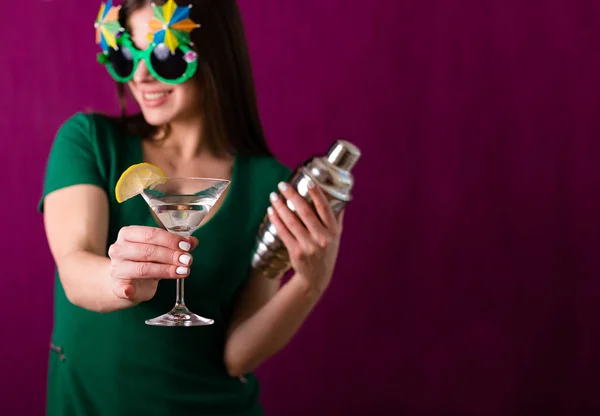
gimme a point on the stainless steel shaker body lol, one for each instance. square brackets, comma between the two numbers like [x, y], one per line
[332, 173]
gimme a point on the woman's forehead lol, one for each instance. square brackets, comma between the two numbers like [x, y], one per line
[138, 26]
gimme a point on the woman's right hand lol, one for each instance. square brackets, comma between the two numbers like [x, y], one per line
[142, 256]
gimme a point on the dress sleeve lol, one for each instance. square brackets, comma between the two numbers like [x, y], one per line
[74, 157]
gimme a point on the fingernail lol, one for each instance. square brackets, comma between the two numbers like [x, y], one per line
[185, 246]
[125, 294]
[282, 186]
[185, 259]
[310, 184]
[274, 197]
[182, 270]
[270, 210]
[291, 206]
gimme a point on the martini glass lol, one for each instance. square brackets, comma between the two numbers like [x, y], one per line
[180, 205]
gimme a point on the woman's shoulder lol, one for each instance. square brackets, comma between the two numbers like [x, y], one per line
[100, 134]
[92, 124]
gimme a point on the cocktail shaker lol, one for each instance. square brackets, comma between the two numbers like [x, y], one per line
[332, 173]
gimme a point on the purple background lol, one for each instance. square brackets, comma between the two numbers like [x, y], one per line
[468, 277]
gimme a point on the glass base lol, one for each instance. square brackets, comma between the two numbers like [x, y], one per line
[180, 316]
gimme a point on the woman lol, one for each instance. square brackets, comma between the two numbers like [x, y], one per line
[116, 268]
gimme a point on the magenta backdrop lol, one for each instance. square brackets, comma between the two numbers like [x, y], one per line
[468, 277]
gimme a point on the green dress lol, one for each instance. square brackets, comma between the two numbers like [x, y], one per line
[114, 364]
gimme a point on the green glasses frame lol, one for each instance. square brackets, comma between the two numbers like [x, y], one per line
[189, 55]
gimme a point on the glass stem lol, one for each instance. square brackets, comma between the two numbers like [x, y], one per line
[179, 302]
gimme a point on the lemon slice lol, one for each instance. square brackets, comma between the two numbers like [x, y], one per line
[137, 178]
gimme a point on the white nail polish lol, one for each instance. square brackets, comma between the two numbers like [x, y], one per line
[185, 246]
[274, 197]
[270, 210]
[282, 186]
[185, 259]
[310, 184]
[291, 206]
[182, 270]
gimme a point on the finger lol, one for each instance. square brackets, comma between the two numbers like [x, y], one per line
[123, 288]
[321, 205]
[304, 211]
[290, 219]
[145, 270]
[141, 252]
[282, 231]
[155, 236]
[194, 242]
[126, 289]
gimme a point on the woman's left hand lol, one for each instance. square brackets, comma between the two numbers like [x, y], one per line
[312, 239]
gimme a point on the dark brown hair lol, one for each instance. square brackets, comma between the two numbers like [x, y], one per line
[230, 110]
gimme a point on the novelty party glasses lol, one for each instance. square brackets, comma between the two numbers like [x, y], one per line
[167, 67]
[169, 58]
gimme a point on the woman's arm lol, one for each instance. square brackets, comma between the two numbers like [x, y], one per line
[76, 222]
[266, 320]
[267, 316]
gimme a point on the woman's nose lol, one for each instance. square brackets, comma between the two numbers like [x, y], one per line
[141, 73]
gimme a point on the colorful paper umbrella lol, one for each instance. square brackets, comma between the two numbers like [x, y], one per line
[107, 26]
[171, 25]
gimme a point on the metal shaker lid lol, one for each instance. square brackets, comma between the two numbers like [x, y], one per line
[343, 154]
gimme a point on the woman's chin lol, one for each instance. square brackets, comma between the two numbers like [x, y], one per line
[156, 117]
